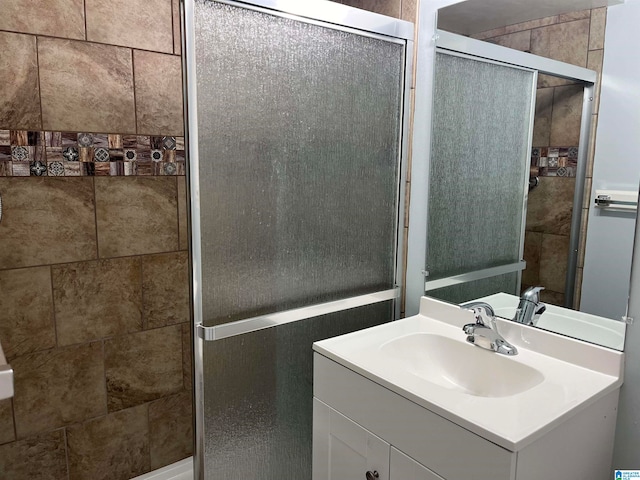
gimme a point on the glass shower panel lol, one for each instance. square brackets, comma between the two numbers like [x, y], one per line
[299, 131]
[266, 434]
[479, 165]
[299, 139]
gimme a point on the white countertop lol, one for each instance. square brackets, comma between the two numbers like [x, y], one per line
[575, 373]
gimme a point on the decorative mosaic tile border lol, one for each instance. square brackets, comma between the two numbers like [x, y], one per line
[554, 161]
[63, 154]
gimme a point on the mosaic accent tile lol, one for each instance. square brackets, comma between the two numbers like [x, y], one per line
[69, 139]
[101, 155]
[35, 153]
[86, 154]
[18, 137]
[554, 161]
[85, 139]
[169, 143]
[56, 169]
[130, 155]
[102, 169]
[115, 141]
[143, 155]
[116, 154]
[53, 139]
[169, 169]
[38, 169]
[71, 154]
[20, 169]
[5, 168]
[101, 141]
[71, 169]
[144, 168]
[20, 154]
[5, 152]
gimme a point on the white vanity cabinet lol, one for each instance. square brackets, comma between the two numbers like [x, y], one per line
[343, 449]
[361, 426]
[403, 467]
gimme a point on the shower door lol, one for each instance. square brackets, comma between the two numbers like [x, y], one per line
[479, 170]
[296, 135]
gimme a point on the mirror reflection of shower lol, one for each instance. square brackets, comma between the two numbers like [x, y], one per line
[555, 146]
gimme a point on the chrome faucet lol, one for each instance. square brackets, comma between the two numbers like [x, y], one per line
[484, 332]
[530, 307]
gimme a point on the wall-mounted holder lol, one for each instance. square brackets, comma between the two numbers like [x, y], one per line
[617, 200]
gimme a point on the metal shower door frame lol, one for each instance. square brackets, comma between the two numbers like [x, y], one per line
[321, 13]
[454, 44]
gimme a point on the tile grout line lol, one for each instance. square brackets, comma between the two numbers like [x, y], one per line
[94, 259]
[173, 30]
[13, 415]
[66, 451]
[133, 80]
[82, 40]
[143, 320]
[40, 89]
[104, 369]
[53, 306]
[178, 205]
[95, 220]
[86, 33]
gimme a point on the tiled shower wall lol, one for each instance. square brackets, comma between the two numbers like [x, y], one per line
[93, 264]
[576, 38]
[94, 298]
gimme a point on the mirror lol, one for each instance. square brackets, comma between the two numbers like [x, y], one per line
[570, 32]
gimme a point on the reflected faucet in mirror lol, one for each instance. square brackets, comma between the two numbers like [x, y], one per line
[530, 307]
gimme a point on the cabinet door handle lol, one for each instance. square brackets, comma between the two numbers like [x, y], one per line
[372, 475]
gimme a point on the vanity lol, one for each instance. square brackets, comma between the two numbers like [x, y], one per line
[413, 400]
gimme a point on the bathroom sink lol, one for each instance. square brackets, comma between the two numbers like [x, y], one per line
[590, 328]
[438, 359]
[510, 400]
[6, 377]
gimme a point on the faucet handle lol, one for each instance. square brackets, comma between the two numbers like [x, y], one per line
[532, 294]
[483, 317]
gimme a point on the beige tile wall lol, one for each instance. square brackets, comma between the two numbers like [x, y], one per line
[94, 311]
[576, 38]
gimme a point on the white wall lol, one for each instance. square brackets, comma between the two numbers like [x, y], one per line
[607, 264]
[617, 165]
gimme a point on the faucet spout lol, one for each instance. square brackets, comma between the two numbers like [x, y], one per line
[484, 332]
[530, 307]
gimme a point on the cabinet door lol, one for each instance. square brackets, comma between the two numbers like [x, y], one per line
[343, 450]
[406, 468]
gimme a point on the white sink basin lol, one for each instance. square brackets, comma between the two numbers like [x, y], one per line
[590, 328]
[436, 359]
[509, 400]
[6, 377]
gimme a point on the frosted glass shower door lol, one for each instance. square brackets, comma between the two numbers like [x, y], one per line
[482, 127]
[296, 139]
